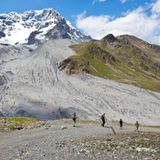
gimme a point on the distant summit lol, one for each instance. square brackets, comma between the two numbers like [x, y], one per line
[36, 26]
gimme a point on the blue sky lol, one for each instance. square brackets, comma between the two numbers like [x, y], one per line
[100, 17]
[70, 8]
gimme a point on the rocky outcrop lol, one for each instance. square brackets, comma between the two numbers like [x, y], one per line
[70, 66]
[111, 40]
[32, 38]
[2, 34]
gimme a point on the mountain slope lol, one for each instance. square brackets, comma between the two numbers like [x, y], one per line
[33, 86]
[36, 26]
[124, 59]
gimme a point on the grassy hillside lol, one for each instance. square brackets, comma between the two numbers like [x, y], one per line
[13, 123]
[125, 59]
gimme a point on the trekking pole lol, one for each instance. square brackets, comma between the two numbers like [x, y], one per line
[110, 126]
[114, 132]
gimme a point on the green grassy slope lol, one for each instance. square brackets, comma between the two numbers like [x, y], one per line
[125, 59]
[13, 123]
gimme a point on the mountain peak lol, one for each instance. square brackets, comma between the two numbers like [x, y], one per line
[44, 14]
[110, 38]
[36, 26]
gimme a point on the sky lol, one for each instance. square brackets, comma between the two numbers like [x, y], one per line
[101, 17]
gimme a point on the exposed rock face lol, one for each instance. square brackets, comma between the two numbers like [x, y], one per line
[112, 40]
[72, 67]
[63, 31]
[2, 34]
[32, 39]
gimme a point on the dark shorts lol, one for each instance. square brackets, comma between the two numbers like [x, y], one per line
[74, 119]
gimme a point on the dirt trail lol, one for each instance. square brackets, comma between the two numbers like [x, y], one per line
[51, 142]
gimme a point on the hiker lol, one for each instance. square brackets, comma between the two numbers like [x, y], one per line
[74, 119]
[120, 123]
[137, 126]
[103, 119]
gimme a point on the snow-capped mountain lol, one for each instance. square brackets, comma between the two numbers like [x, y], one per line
[35, 26]
[31, 83]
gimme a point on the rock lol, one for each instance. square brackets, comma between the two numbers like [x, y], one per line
[63, 127]
[108, 139]
[84, 151]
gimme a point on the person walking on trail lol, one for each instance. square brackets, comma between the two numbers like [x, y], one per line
[137, 126]
[74, 119]
[103, 118]
[120, 123]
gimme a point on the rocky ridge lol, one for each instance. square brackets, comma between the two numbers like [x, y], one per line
[125, 58]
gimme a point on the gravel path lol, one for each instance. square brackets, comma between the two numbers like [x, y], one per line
[51, 142]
